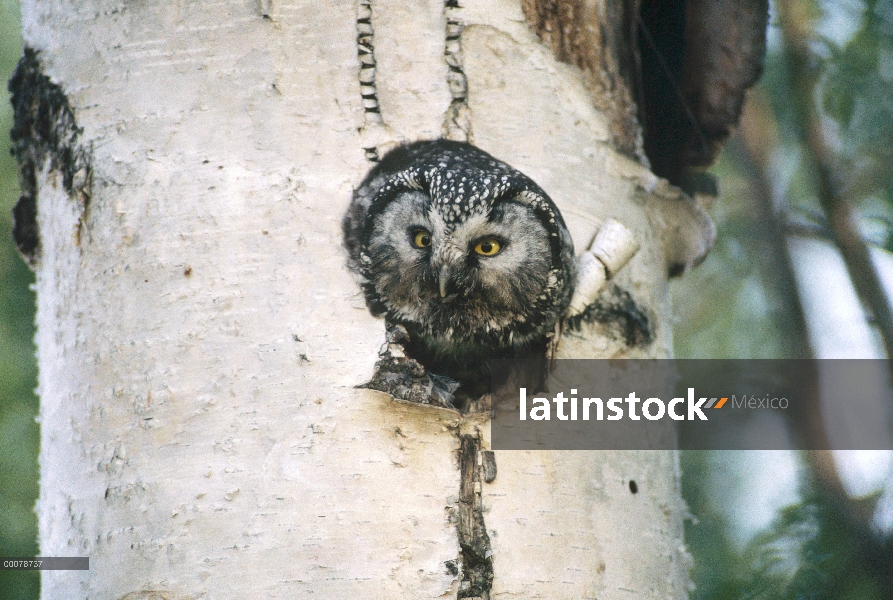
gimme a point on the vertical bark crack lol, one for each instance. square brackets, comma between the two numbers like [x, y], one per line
[475, 554]
[457, 124]
[366, 54]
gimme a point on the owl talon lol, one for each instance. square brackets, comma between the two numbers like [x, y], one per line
[407, 379]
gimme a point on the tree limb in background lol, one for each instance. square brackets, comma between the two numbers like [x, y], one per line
[759, 140]
[759, 136]
[797, 32]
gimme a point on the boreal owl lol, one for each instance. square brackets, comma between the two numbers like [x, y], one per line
[466, 253]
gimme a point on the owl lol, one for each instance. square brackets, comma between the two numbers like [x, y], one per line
[467, 257]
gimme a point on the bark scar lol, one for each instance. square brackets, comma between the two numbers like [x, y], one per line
[457, 124]
[404, 378]
[475, 553]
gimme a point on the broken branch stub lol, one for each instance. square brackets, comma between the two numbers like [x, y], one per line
[612, 248]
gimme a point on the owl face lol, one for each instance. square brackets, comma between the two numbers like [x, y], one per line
[461, 249]
[461, 278]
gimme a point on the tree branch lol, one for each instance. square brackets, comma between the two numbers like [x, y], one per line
[797, 32]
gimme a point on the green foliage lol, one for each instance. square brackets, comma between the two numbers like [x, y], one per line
[857, 92]
[815, 550]
[715, 568]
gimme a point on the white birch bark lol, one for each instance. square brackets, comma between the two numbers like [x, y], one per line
[200, 336]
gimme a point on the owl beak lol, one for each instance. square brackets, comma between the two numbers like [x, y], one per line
[444, 280]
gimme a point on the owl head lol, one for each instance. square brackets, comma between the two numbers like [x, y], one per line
[467, 253]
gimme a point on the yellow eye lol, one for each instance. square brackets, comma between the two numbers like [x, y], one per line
[421, 238]
[488, 247]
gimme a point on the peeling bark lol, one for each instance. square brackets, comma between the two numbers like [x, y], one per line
[726, 47]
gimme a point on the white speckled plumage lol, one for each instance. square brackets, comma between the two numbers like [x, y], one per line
[500, 306]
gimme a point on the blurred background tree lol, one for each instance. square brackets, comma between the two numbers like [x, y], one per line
[19, 434]
[807, 174]
[775, 286]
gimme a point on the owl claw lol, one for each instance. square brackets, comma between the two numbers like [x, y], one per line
[407, 379]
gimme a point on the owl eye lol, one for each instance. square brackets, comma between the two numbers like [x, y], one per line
[421, 238]
[488, 247]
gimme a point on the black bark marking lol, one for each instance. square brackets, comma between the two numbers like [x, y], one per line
[475, 554]
[44, 128]
[451, 568]
[488, 466]
[616, 309]
[366, 55]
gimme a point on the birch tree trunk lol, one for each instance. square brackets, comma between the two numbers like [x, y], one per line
[200, 337]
